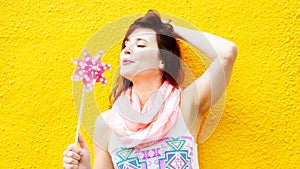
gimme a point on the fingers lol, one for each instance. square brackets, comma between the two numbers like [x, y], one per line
[71, 157]
[74, 156]
[70, 166]
[71, 161]
[73, 148]
[71, 154]
[166, 21]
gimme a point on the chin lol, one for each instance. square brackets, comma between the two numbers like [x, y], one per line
[126, 75]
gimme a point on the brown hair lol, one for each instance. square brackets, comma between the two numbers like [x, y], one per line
[169, 52]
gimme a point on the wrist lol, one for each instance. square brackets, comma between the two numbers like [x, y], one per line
[176, 31]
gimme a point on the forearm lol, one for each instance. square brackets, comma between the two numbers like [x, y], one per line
[214, 47]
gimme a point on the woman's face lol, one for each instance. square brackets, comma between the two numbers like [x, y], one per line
[140, 55]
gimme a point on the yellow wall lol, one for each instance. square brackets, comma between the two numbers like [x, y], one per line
[261, 122]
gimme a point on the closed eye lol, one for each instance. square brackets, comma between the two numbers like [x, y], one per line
[141, 46]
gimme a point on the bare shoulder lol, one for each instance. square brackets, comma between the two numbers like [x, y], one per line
[102, 134]
[100, 123]
[102, 131]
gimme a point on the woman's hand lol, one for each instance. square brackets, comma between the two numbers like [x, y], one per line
[77, 158]
[166, 21]
[169, 21]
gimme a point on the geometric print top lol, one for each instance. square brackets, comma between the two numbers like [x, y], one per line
[176, 150]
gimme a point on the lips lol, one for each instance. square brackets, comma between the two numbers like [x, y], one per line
[126, 61]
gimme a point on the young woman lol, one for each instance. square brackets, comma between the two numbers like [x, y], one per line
[153, 123]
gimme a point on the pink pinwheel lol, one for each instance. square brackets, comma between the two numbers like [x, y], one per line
[90, 70]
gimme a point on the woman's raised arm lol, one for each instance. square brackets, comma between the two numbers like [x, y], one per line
[208, 88]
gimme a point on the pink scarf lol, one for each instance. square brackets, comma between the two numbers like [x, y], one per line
[136, 127]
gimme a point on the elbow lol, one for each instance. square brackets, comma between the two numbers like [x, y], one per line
[230, 52]
[233, 51]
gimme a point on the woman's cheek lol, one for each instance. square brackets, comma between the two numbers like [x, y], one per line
[149, 59]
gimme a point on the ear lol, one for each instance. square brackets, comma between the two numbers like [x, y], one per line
[161, 65]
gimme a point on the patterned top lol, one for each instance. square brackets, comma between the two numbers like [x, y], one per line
[176, 150]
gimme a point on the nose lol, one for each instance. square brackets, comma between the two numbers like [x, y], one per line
[128, 49]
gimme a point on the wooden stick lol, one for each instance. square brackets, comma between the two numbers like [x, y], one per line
[80, 115]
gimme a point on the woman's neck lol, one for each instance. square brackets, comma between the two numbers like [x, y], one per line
[145, 87]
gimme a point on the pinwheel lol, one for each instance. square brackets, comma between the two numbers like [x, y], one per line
[90, 70]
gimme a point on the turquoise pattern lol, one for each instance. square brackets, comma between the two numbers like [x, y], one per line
[168, 152]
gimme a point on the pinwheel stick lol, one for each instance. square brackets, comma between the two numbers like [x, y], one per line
[80, 115]
[90, 70]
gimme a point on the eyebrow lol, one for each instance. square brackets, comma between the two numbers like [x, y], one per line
[138, 39]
